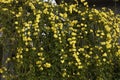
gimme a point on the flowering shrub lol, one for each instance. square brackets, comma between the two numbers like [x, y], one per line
[59, 42]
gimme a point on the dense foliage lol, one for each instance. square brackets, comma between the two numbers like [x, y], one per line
[59, 42]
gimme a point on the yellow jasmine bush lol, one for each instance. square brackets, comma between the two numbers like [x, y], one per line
[59, 42]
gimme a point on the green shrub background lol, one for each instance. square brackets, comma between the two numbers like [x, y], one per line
[59, 42]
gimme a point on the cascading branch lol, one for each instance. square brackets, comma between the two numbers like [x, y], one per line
[60, 42]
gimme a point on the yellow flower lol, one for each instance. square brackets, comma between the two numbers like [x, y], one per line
[55, 36]
[28, 32]
[90, 52]
[38, 62]
[1, 70]
[32, 6]
[96, 11]
[20, 8]
[74, 38]
[8, 59]
[21, 56]
[16, 22]
[71, 8]
[118, 53]
[80, 67]
[108, 46]
[87, 56]
[85, 3]
[107, 28]
[26, 49]
[47, 65]
[35, 33]
[45, 11]
[96, 57]
[17, 56]
[29, 39]
[41, 48]
[64, 74]
[3, 76]
[41, 68]
[104, 55]
[4, 9]
[62, 50]
[34, 48]
[42, 59]
[109, 36]
[65, 15]
[82, 0]
[39, 54]
[26, 43]
[102, 43]
[81, 49]
[102, 34]
[62, 61]
[6, 1]
[104, 59]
